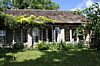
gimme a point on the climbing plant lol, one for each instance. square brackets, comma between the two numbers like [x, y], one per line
[10, 21]
[14, 22]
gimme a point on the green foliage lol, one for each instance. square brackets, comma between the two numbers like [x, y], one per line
[42, 46]
[35, 4]
[2, 18]
[2, 52]
[2, 5]
[78, 12]
[59, 46]
[79, 30]
[18, 46]
[54, 58]
[10, 21]
[44, 19]
[54, 46]
[14, 22]
[22, 22]
[92, 14]
[9, 59]
[32, 21]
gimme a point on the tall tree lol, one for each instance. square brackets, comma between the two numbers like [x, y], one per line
[5, 4]
[92, 14]
[35, 4]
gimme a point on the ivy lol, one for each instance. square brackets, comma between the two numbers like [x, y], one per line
[14, 22]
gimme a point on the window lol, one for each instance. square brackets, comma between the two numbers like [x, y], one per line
[2, 33]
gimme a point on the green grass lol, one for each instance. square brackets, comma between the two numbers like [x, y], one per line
[51, 58]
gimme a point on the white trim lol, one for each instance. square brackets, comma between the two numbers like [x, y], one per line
[71, 35]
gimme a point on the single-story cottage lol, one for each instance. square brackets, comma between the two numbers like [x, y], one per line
[62, 30]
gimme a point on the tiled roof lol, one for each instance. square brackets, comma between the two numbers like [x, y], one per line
[59, 16]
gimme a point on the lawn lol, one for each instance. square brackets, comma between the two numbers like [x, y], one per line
[51, 58]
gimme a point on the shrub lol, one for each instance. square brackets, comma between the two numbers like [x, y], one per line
[59, 46]
[76, 45]
[2, 52]
[18, 46]
[80, 45]
[9, 58]
[42, 46]
[53, 46]
[68, 46]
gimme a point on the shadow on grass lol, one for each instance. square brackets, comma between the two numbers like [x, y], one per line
[8, 58]
[62, 58]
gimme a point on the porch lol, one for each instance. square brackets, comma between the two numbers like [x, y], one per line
[51, 33]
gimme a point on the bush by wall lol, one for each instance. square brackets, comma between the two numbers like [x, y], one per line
[58, 46]
[18, 46]
[42, 46]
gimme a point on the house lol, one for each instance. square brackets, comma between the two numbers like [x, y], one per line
[62, 30]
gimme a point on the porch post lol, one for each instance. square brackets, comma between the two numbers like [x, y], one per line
[42, 35]
[21, 36]
[52, 33]
[13, 37]
[71, 35]
[29, 38]
[59, 36]
[77, 39]
[46, 34]
[84, 35]
[39, 35]
[62, 35]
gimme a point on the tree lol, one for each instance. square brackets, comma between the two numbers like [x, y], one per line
[92, 14]
[35, 4]
[5, 4]
[21, 4]
[29, 4]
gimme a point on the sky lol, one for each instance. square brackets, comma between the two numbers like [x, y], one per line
[74, 4]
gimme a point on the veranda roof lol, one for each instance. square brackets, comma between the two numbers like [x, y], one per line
[59, 16]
